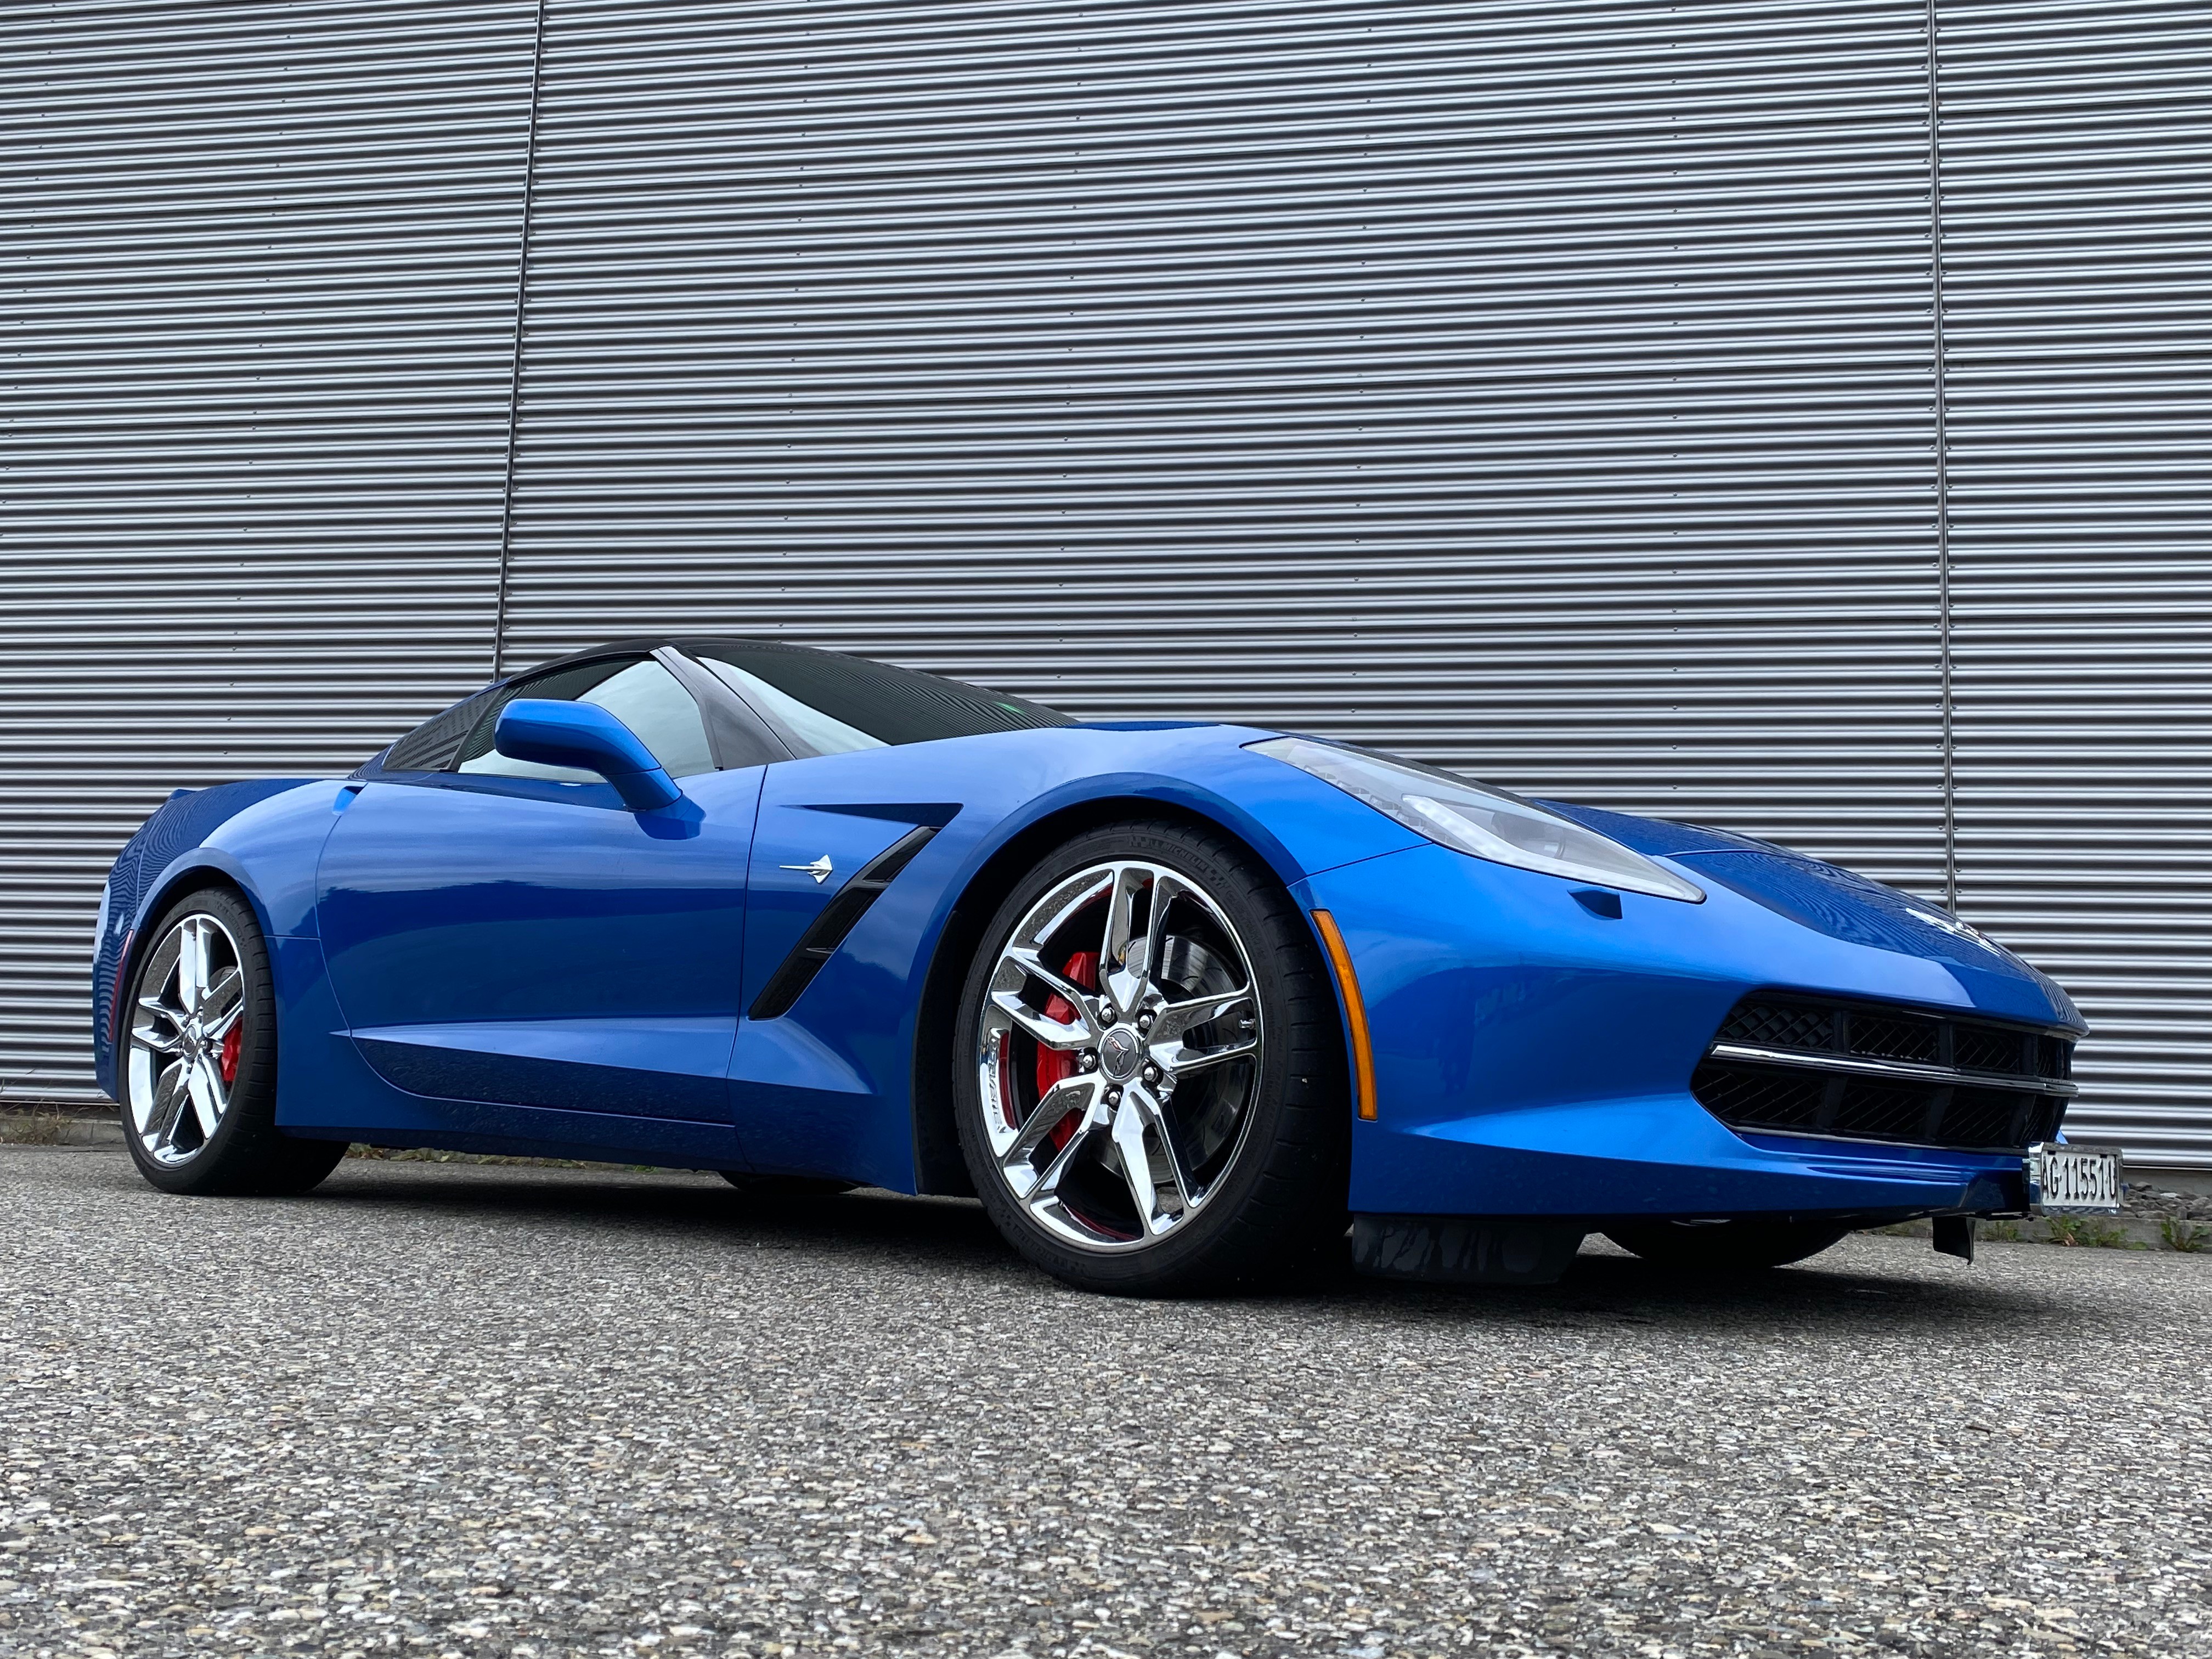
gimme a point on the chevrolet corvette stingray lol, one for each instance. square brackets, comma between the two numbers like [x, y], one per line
[1182, 1003]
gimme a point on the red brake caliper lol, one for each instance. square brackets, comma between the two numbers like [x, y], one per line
[1056, 1065]
[234, 1041]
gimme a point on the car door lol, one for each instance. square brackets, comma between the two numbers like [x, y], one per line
[509, 935]
[838, 825]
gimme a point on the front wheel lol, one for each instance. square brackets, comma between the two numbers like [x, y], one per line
[1726, 1246]
[1151, 1093]
[199, 1068]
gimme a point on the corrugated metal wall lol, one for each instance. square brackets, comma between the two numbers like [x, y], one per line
[2077, 148]
[259, 268]
[1549, 389]
[1540, 388]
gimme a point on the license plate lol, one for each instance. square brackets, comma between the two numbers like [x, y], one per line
[2072, 1179]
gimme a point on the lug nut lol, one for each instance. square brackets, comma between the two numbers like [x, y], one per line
[1152, 1074]
[1106, 1013]
[1145, 1020]
[1113, 1096]
[1090, 1061]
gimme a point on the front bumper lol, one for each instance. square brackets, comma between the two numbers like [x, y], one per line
[1659, 1155]
[1533, 1056]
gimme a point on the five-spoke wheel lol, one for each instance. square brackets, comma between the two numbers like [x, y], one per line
[1118, 1054]
[199, 1065]
[186, 1038]
[1144, 1032]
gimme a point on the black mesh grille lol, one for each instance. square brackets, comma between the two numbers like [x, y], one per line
[1780, 1025]
[1884, 1111]
[1879, 1036]
[1998, 1117]
[1995, 1049]
[1751, 1094]
[1770, 1095]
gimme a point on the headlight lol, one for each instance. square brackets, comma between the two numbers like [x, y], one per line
[1489, 823]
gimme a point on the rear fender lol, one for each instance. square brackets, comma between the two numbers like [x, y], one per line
[261, 839]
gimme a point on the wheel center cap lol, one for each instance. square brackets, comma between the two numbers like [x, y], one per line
[1121, 1052]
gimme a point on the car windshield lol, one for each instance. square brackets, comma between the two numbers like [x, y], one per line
[831, 703]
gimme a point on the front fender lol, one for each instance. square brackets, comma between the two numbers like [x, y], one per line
[1299, 825]
[839, 1083]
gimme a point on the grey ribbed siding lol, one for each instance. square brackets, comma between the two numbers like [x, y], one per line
[1548, 388]
[259, 272]
[1543, 390]
[2078, 235]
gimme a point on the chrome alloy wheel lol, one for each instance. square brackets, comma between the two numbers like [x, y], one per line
[1119, 1047]
[185, 1039]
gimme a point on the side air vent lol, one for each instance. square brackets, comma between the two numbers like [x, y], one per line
[820, 941]
[1864, 1071]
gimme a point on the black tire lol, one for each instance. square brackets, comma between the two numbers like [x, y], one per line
[1277, 1204]
[1724, 1247]
[247, 1154]
[777, 1187]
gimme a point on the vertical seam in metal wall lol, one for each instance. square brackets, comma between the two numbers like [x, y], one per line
[1942, 461]
[515, 373]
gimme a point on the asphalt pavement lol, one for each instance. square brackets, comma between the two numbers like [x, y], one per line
[447, 1409]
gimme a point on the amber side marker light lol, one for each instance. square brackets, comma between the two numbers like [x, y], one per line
[1347, 985]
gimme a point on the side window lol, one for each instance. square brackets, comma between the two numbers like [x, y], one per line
[827, 704]
[818, 730]
[435, 745]
[637, 691]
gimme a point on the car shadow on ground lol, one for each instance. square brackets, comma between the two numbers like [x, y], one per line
[1834, 1296]
[1836, 1293]
[954, 1231]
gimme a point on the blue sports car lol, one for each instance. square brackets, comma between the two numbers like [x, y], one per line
[1181, 1003]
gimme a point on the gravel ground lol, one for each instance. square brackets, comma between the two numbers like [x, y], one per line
[452, 1409]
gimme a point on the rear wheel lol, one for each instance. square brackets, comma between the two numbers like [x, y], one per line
[1151, 1092]
[1727, 1246]
[199, 1066]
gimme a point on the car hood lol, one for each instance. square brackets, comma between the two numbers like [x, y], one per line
[1835, 901]
[1658, 838]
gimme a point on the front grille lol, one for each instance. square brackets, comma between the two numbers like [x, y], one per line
[1864, 1071]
